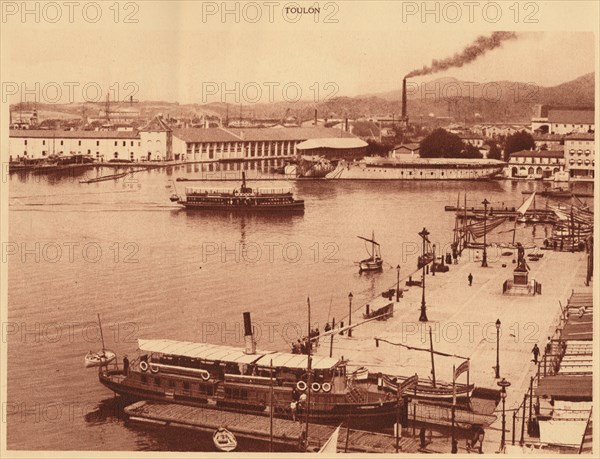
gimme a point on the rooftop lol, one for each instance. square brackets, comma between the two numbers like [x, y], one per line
[581, 136]
[571, 116]
[259, 134]
[332, 142]
[538, 154]
[59, 134]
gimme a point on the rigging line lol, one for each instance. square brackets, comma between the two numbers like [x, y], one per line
[421, 349]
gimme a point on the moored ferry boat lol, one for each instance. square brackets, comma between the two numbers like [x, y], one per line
[230, 378]
[242, 199]
[379, 168]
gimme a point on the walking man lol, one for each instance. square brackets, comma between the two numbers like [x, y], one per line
[470, 278]
[536, 353]
[125, 365]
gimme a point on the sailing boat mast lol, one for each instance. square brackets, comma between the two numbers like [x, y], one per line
[309, 382]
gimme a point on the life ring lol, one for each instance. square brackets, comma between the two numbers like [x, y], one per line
[326, 387]
[205, 375]
[143, 365]
[153, 369]
[316, 387]
[301, 386]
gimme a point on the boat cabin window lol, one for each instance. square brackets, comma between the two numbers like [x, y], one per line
[206, 389]
[186, 385]
[157, 382]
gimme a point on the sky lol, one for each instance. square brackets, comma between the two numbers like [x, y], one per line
[180, 53]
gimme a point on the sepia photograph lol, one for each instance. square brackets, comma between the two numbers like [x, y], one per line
[340, 227]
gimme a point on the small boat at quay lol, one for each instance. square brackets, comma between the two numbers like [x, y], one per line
[243, 199]
[374, 262]
[224, 440]
[427, 391]
[98, 359]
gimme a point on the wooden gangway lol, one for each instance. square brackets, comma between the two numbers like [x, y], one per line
[256, 427]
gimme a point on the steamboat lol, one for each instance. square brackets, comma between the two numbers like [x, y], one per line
[247, 380]
[240, 199]
[414, 168]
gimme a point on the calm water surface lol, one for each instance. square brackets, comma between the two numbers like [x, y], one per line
[152, 270]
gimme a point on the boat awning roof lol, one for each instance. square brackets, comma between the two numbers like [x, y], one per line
[296, 361]
[202, 351]
[566, 386]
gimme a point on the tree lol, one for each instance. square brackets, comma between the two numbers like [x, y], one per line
[441, 144]
[495, 152]
[471, 151]
[517, 142]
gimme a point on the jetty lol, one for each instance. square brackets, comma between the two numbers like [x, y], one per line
[475, 322]
[287, 434]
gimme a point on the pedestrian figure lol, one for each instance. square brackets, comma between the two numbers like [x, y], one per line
[293, 409]
[125, 365]
[536, 353]
[327, 327]
[470, 278]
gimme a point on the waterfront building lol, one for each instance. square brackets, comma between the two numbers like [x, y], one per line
[156, 141]
[580, 152]
[535, 164]
[237, 144]
[561, 120]
[31, 144]
[404, 150]
[552, 142]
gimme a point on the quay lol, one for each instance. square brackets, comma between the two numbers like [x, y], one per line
[287, 434]
[476, 322]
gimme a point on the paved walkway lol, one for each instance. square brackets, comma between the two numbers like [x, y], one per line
[462, 321]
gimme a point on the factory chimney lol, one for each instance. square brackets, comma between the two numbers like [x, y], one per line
[316, 117]
[346, 124]
[248, 335]
[404, 99]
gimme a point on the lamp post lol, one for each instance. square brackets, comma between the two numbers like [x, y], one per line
[498, 323]
[423, 316]
[397, 283]
[503, 384]
[433, 263]
[484, 260]
[350, 296]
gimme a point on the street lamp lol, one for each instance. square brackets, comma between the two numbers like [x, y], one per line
[484, 260]
[350, 296]
[498, 323]
[503, 384]
[423, 316]
[397, 283]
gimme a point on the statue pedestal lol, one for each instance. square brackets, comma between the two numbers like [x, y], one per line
[520, 277]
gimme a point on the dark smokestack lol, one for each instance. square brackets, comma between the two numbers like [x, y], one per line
[479, 47]
[316, 117]
[404, 99]
[248, 335]
[346, 124]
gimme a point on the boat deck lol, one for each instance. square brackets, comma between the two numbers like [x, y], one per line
[256, 427]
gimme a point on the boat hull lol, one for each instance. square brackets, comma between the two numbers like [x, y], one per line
[375, 414]
[297, 206]
[414, 170]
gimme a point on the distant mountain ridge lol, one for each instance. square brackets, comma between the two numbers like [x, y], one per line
[500, 101]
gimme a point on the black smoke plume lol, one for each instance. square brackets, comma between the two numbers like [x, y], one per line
[478, 48]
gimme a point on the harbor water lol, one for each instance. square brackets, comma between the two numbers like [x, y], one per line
[121, 249]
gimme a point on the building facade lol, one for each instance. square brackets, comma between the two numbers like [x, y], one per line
[563, 121]
[535, 164]
[580, 153]
[220, 144]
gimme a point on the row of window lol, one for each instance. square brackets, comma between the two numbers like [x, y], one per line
[62, 142]
[580, 162]
[579, 152]
[186, 385]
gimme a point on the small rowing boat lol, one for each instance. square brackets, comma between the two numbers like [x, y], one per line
[99, 359]
[426, 391]
[224, 440]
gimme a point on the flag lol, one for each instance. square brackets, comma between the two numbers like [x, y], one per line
[330, 445]
[461, 369]
[408, 383]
